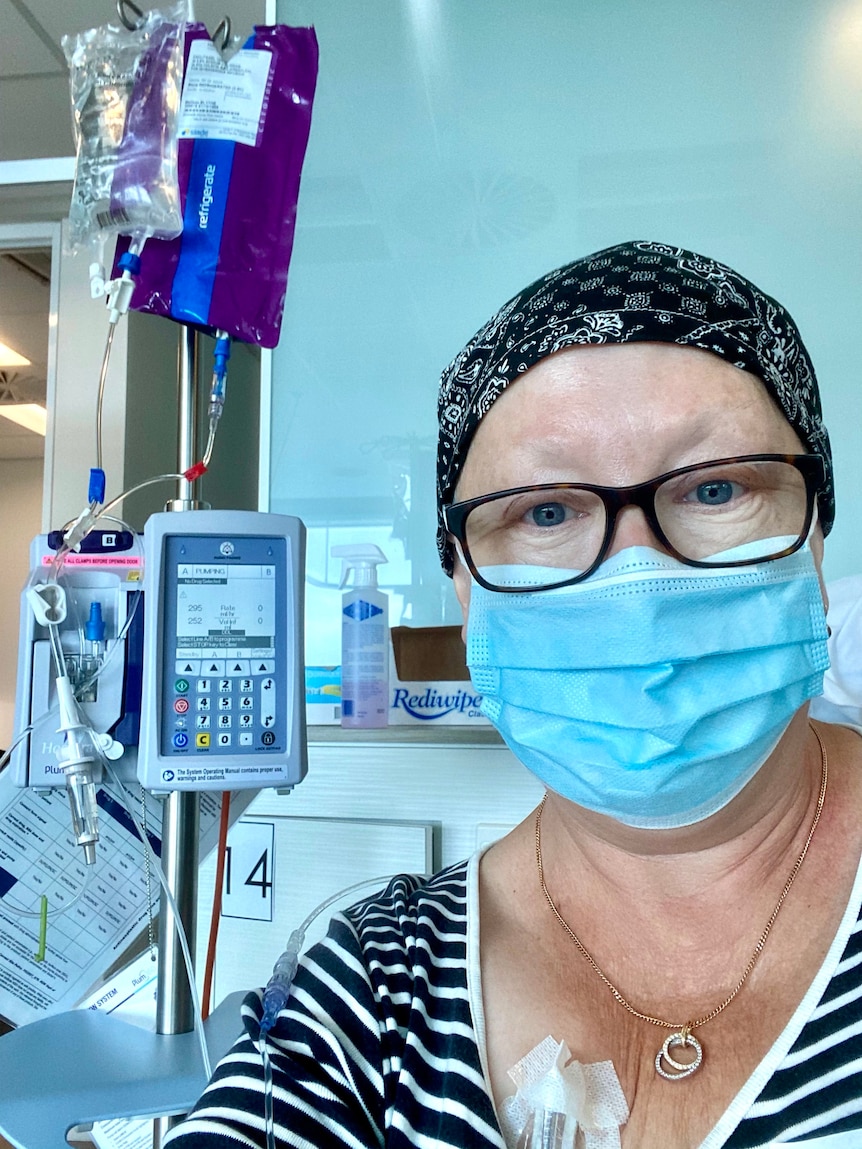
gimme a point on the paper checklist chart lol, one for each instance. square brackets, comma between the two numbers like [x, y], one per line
[39, 856]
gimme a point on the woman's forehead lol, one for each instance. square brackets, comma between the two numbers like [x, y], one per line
[619, 414]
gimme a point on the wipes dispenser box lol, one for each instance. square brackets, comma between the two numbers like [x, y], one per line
[429, 684]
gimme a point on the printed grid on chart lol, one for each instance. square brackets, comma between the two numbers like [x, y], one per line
[38, 855]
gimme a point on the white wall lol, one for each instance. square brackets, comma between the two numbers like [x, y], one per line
[20, 516]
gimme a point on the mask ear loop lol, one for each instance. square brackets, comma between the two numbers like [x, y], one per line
[815, 519]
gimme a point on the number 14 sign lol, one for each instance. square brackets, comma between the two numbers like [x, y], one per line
[249, 871]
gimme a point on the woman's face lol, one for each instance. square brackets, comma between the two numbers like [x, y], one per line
[616, 415]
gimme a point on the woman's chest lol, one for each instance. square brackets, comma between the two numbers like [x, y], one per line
[550, 991]
[675, 1111]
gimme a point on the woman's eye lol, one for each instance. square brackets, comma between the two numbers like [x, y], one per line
[714, 493]
[547, 515]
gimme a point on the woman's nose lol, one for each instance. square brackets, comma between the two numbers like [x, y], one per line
[631, 529]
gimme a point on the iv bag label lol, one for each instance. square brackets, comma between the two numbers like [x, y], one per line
[224, 99]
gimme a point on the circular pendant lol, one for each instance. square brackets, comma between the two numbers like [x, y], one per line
[678, 1069]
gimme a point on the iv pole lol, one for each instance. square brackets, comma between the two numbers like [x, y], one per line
[181, 815]
[100, 1067]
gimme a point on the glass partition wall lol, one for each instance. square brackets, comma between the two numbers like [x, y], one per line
[461, 148]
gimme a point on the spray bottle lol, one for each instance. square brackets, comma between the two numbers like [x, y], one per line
[364, 639]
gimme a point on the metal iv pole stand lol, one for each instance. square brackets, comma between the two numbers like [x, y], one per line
[99, 1067]
[181, 816]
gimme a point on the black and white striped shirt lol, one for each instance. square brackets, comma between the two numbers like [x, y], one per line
[378, 1044]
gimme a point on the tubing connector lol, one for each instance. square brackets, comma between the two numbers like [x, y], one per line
[98, 286]
[278, 987]
[81, 527]
[221, 354]
[119, 292]
[96, 490]
[78, 762]
[195, 471]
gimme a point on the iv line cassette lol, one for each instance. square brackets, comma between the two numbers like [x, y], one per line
[222, 705]
[99, 640]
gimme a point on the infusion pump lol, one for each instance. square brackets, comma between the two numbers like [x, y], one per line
[185, 649]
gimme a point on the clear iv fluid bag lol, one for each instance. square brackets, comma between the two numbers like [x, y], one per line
[125, 90]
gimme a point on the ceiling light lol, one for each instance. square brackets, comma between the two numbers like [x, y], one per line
[29, 415]
[10, 358]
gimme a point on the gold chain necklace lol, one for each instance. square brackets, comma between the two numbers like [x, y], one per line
[666, 1065]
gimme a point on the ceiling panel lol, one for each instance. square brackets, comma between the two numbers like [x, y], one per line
[35, 119]
[19, 443]
[22, 52]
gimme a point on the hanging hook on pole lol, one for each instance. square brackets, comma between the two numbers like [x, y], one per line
[222, 33]
[123, 9]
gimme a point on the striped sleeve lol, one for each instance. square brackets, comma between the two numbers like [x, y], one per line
[325, 1058]
[817, 1089]
[376, 1044]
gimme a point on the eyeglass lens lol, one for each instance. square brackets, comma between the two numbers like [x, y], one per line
[702, 514]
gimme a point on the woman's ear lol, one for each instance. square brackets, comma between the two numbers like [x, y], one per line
[461, 581]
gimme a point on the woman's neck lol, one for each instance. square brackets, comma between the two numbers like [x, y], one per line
[761, 829]
[694, 906]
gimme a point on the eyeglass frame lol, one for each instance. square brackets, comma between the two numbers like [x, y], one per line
[812, 467]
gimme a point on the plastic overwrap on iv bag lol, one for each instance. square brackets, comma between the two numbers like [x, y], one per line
[125, 89]
[243, 130]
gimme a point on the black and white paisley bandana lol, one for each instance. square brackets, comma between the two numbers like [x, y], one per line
[647, 292]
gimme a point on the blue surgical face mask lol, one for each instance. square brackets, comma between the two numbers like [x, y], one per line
[652, 692]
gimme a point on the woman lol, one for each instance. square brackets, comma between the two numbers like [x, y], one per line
[634, 487]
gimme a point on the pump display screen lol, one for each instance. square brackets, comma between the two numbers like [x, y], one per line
[225, 611]
[224, 642]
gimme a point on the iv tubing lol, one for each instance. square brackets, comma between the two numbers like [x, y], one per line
[7, 754]
[181, 934]
[221, 849]
[120, 297]
[138, 487]
[56, 911]
[91, 514]
[83, 524]
[103, 374]
[278, 987]
[208, 453]
[277, 990]
[276, 994]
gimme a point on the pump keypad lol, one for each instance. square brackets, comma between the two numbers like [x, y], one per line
[241, 703]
